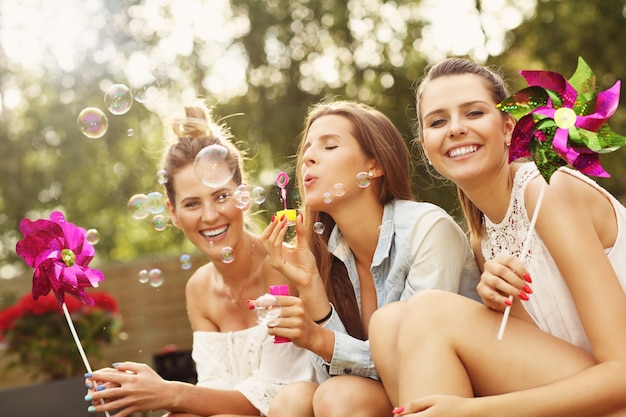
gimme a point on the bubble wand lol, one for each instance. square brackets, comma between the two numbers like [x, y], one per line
[290, 214]
[60, 254]
[561, 122]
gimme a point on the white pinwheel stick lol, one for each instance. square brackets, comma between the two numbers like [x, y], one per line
[70, 323]
[523, 253]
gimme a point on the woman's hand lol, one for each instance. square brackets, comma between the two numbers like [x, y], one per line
[296, 325]
[503, 276]
[296, 263]
[436, 406]
[129, 387]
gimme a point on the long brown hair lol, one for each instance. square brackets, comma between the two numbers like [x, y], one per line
[494, 82]
[380, 140]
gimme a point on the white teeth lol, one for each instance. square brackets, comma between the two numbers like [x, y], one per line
[214, 232]
[464, 150]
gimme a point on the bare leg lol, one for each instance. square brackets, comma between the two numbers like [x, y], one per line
[353, 396]
[448, 345]
[384, 329]
[294, 400]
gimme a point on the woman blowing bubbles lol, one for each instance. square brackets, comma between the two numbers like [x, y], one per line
[564, 349]
[239, 367]
[372, 245]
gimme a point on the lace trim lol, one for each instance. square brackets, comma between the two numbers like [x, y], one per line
[508, 236]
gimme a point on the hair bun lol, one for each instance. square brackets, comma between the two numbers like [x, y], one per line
[197, 123]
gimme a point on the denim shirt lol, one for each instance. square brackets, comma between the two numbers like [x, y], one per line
[420, 246]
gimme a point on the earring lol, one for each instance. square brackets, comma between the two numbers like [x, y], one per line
[370, 173]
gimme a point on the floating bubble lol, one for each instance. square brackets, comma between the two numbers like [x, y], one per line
[144, 276]
[139, 206]
[327, 198]
[93, 122]
[161, 176]
[242, 197]
[258, 195]
[159, 222]
[185, 261]
[118, 99]
[146, 90]
[228, 255]
[214, 165]
[156, 277]
[156, 202]
[339, 190]
[130, 132]
[318, 227]
[92, 236]
[362, 179]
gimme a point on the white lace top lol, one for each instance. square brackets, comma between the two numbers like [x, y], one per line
[551, 305]
[250, 362]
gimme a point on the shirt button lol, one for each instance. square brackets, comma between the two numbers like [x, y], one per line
[347, 371]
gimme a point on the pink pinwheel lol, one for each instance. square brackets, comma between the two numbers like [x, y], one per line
[563, 122]
[60, 255]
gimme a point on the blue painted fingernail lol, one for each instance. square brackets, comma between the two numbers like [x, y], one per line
[88, 385]
[88, 397]
[88, 375]
[116, 364]
[100, 388]
[91, 409]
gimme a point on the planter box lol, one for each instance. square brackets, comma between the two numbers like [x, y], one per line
[65, 398]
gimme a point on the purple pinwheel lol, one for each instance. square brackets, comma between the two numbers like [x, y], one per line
[60, 255]
[563, 121]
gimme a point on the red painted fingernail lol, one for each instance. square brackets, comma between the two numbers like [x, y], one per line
[282, 217]
[508, 302]
[273, 218]
[527, 278]
[397, 410]
[523, 296]
[527, 289]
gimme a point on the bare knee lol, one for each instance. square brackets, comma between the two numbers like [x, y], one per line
[295, 399]
[351, 396]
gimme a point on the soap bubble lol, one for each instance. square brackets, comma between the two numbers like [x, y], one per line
[214, 165]
[92, 236]
[156, 202]
[130, 132]
[146, 90]
[339, 190]
[139, 206]
[161, 176]
[118, 99]
[93, 122]
[144, 276]
[156, 277]
[185, 261]
[258, 195]
[159, 222]
[327, 198]
[228, 255]
[362, 179]
[242, 197]
[318, 227]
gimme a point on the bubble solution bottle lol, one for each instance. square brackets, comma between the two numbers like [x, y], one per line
[280, 290]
